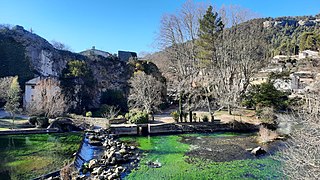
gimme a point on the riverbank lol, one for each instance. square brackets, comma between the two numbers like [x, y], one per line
[175, 128]
[28, 131]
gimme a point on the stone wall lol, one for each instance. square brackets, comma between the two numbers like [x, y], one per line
[172, 128]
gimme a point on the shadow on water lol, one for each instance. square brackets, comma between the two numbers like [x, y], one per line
[227, 148]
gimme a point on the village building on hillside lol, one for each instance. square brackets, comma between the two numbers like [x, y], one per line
[272, 68]
[96, 52]
[126, 55]
[309, 54]
[301, 80]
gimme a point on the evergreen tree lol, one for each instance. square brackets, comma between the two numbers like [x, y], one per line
[308, 41]
[265, 95]
[210, 26]
[13, 99]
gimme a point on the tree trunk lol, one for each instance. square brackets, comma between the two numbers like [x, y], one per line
[13, 117]
[229, 109]
[190, 110]
[209, 108]
[180, 107]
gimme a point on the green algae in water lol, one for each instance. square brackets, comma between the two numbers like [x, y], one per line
[29, 156]
[170, 152]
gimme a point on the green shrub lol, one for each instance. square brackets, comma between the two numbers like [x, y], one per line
[137, 117]
[194, 117]
[33, 120]
[120, 116]
[42, 122]
[89, 114]
[175, 115]
[205, 118]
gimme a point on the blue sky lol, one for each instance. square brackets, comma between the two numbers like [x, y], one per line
[113, 25]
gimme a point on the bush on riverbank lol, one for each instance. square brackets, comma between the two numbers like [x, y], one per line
[137, 117]
[175, 116]
[40, 122]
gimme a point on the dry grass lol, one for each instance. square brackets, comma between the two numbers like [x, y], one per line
[242, 115]
[266, 135]
[68, 172]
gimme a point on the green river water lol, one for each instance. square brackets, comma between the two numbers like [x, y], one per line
[202, 156]
[186, 156]
[29, 156]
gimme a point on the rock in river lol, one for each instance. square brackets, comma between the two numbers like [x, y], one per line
[258, 151]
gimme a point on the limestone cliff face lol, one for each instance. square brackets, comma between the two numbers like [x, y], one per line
[108, 73]
[45, 60]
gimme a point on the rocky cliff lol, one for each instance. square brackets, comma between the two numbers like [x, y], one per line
[28, 55]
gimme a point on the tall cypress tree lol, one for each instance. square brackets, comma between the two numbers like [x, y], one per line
[210, 26]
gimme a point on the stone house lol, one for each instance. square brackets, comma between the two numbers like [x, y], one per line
[32, 88]
[309, 54]
[301, 80]
[126, 55]
[30, 91]
[96, 52]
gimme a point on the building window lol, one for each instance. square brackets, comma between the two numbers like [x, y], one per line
[32, 87]
[32, 98]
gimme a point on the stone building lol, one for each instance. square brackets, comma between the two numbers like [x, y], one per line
[95, 52]
[32, 87]
[300, 80]
[309, 54]
[30, 91]
[126, 55]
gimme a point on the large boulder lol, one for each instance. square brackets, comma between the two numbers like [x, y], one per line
[258, 151]
[93, 163]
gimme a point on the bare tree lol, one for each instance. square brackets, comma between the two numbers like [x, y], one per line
[4, 87]
[60, 45]
[145, 92]
[234, 14]
[177, 39]
[219, 69]
[302, 156]
[48, 100]
[235, 55]
[110, 112]
[13, 99]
